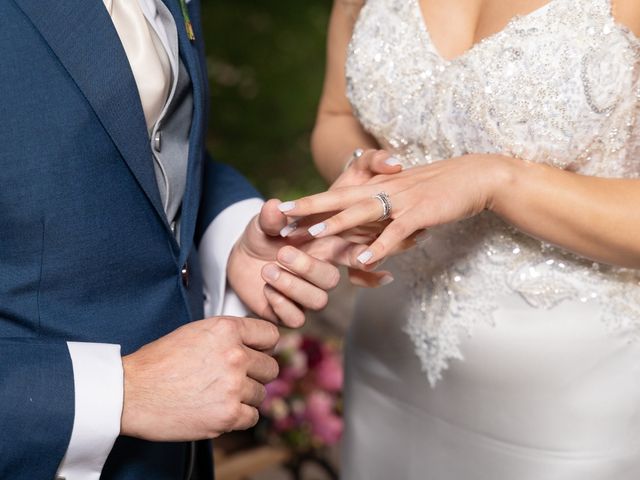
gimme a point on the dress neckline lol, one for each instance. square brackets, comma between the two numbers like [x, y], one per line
[538, 12]
[515, 19]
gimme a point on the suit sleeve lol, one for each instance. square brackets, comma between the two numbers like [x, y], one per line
[36, 407]
[229, 204]
[223, 186]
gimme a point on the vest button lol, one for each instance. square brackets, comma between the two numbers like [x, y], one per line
[157, 141]
[184, 273]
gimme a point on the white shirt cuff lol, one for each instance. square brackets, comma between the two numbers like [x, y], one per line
[215, 247]
[98, 380]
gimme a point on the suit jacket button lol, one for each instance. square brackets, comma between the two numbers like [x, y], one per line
[184, 273]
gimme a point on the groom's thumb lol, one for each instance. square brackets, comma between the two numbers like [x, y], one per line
[272, 220]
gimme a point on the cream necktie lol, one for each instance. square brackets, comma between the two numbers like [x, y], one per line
[147, 56]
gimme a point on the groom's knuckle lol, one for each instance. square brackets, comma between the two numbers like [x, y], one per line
[333, 277]
[305, 265]
[319, 300]
[286, 282]
[274, 299]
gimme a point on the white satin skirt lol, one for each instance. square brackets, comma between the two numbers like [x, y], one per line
[542, 395]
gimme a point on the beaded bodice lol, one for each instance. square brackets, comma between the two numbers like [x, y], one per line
[559, 86]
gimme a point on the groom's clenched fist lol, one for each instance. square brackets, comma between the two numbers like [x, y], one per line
[199, 381]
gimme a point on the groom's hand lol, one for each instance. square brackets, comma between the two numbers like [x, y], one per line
[270, 291]
[199, 381]
[278, 277]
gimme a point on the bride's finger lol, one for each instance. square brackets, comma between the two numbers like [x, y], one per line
[361, 213]
[378, 161]
[390, 239]
[329, 201]
[366, 279]
[385, 164]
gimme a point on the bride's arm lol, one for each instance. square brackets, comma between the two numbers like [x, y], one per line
[337, 133]
[597, 218]
[594, 217]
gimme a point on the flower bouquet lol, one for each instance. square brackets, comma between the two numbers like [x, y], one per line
[303, 406]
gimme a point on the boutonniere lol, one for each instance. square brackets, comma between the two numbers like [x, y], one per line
[187, 20]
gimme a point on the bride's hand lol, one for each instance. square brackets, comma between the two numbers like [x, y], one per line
[365, 165]
[422, 197]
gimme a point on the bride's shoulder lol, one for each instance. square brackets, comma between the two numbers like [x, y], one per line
[348, 8]
[351, 4]
[627, 12]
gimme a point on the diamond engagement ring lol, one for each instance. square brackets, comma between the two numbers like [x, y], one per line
[383, 198]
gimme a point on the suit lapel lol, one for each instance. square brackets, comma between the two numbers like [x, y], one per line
[82, 36]
[84, 39]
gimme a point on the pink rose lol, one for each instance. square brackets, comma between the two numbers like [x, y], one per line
[276, 390]
[329, 373]
[313, 350]
[325, 424]
[295, 366]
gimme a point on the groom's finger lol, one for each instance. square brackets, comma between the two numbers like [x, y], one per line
[295, 288]
[321, 274]
[289, 314]
[271, 219]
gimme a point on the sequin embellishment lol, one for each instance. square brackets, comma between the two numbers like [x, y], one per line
[559, 86]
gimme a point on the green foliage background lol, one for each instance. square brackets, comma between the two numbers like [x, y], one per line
[266, 66]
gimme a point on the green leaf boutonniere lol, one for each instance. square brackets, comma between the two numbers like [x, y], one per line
[187, 20]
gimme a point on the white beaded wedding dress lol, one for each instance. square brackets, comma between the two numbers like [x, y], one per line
[495, 356]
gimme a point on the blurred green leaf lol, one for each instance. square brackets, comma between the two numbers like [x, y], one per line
[266, 66]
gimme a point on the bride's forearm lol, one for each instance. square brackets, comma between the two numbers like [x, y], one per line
[598, 218]
[333, 141]
[337, 133]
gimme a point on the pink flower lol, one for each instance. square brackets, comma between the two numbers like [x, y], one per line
[284, 424]
[279, 409]
[291, 342]
[314, 351]
[325, 424]
[276, 390]
[295, 366]
[329, 374]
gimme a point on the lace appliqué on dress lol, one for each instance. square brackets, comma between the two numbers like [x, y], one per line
[560, 86]
[451, 295]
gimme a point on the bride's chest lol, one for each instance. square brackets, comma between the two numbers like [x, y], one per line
[557, 86]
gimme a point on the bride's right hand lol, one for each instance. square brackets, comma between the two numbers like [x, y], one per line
[358, 171]
[362, 168]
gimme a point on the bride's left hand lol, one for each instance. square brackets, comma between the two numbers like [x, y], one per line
[421, 197]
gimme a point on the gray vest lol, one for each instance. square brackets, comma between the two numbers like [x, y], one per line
[170, 136]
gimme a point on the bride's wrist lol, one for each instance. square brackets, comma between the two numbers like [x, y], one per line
[504, 175]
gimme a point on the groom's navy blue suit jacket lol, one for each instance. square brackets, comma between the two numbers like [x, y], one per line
[85, 251]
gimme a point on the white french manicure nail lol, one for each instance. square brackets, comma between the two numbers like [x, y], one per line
[393, 162]
[386, 280]
[317, 228]
[289, 229]
[365, 256]
[422, 237]
[286, 206]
